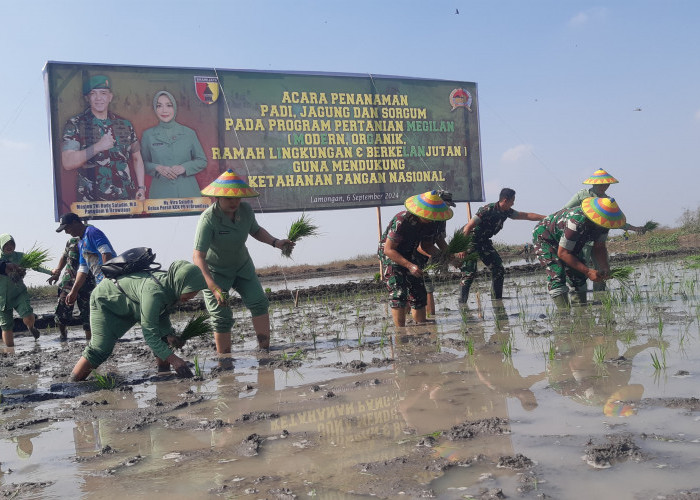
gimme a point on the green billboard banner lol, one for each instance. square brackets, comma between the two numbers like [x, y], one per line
[133, 141]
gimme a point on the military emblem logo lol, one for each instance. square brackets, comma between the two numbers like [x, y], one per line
[207, 88]
[460, 98]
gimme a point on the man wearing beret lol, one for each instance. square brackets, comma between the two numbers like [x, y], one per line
[101, 144]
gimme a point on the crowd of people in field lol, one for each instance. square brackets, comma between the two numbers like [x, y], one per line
[570, 244]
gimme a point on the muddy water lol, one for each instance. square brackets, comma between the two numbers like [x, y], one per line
[502, 398]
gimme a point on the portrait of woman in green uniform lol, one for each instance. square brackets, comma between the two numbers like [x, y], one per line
[171, 153]
[221, 254]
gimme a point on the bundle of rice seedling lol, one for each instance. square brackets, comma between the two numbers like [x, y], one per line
[300, 228]
[34, 258]
[622, 274]
[195, 327]
[459, 243]
[650, 225]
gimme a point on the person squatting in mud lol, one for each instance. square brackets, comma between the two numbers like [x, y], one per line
[421, 224]
[142, 297]
[13, 292]
[63, 314]
[487, 222]
[559, 240]
[221, 254]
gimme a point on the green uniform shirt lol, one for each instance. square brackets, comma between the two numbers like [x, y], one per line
[223, 240]
[172, 144]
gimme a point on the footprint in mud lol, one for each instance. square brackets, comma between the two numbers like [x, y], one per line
[621, 446]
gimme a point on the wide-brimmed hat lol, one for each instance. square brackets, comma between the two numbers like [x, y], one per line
[600, 176]
[429, 206]
[229, 185]
[604, 212]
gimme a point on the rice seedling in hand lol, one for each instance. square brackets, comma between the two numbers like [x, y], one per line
[300, 228]
[650, 225]
[34, 258]
[622, 274]
[459, 243]
[195, 327]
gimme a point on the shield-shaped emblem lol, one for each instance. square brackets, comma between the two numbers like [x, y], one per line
[207, 88]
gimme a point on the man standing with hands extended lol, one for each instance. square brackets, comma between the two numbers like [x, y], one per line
[100, 144]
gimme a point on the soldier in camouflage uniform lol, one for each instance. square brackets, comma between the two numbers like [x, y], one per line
[559, 241]
[419, 225]
[100, 144]
[487, 222]
[63, 314]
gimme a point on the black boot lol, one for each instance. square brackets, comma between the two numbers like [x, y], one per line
[497, 284]
[464, 293]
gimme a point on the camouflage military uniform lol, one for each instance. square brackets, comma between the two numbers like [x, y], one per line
[64, 313]
[422, 260]
[106, 175]
[406, 231]
[490, 222]
[570, 229]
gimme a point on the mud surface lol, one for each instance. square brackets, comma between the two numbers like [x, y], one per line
[502, 399]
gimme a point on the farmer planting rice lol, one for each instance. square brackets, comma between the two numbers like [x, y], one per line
[221, 254]
[559, 240]
[599, 183]
[487, 222]
[142, 297]
[420, 225]
[13, 292]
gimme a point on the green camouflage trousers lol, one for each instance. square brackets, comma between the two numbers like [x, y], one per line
[557, 271]
[489, 256]
[403, 287]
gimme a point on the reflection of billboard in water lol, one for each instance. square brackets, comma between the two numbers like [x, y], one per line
[142, 141]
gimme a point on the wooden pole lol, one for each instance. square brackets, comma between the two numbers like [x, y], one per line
[379, 227]
[469, 211]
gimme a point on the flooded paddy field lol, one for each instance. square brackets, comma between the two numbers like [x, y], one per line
[502, 399]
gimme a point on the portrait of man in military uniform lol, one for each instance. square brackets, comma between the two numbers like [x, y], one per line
[100, 145]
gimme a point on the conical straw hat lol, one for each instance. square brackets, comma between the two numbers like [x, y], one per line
[429, 206]
[604, 212]
[600, 176]
[229, 185]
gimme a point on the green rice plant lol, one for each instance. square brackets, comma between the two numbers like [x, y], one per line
[552, 352]
[599, 353]
[299, 354]
[692, 262]
[507, 348]
[106, 381]
[197, 367]
[196, 327]
[650, 225]
[34, 258]
[656, 363]
[470, 346]
[300, 228]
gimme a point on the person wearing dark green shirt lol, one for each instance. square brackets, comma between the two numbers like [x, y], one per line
[171, 153]
[142, 297]
[221, 254]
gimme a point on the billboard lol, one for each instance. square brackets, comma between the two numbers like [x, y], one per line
[136, 141]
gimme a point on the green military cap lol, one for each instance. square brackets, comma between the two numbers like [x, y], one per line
[96, 82]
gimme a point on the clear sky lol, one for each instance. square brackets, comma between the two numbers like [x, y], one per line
[565, 88]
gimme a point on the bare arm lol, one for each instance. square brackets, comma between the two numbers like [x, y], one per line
[391, 252]
[140, 178]
[529, 216]
[73, 159]
[574, 263]
[264, 237]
